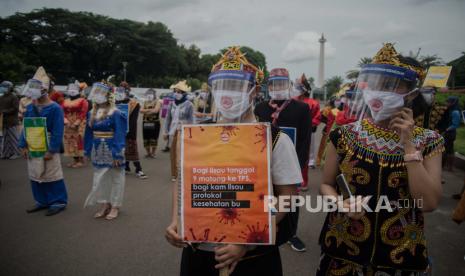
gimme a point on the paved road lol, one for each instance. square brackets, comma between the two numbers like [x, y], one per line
[73, 243]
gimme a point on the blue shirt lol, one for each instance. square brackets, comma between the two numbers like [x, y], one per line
[55, 124]
[454, 120]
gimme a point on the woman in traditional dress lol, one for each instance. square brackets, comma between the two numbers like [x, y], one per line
[75, 108]
[104, 143]
[394, 170]
[9, 123]
[151, 122]
[122, 95]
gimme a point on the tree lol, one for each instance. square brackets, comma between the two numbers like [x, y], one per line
[458, 72]
[430, 60]
[333, 85]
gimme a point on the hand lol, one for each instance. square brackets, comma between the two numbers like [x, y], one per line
[25, 153]
[403, 124]
[116, 163]
[355, 205]
[173, 237]
[229, 255]
[48, 156]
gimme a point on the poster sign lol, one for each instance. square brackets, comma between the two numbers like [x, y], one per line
[291, 132]
[35, 132]
[225, 179]
[124, 108]
[437, 76]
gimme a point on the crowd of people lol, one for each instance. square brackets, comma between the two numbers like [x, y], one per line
[378, 132]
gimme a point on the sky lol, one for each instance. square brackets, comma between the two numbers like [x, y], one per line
[287, 32]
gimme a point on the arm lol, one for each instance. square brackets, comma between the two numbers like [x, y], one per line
[190, 114]
[88, 138]
[330, 171]
[303, 147]
[168, 119]
[455, 121]
[56, 138]
[119, 135]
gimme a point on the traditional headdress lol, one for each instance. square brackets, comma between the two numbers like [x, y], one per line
[234, 60]
[389, 55]
[42, 76]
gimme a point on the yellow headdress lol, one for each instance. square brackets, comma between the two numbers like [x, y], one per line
[389, 55]
[234, 59]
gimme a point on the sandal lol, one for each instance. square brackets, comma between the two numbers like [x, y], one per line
[71, 165]
[77, 165]
[102, 213]
[113, 214]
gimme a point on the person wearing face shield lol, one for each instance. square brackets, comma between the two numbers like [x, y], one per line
[151, 122]
[45, 173]
[233, 92]
[383, 157]
[204, 106]
[104, 144]
[9, 122]
[283, 111]
[123, 96]
[180, 112]
[75, 108]
[303, 89]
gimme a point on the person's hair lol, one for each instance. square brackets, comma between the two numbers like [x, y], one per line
[419, 106]
[412, 62]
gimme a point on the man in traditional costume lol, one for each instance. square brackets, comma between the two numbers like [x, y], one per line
[292, 116]
[104, 144]
[75, 108]
[9, 123]
[233, 92]
[122, 95]
[388, 162]
[45, 173]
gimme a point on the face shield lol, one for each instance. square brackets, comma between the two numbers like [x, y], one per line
[72, 90]
[150, 95]
[121, 94]
[279, 88]
[34, 89]
[99, 93]
[381, 90]
[231, 91]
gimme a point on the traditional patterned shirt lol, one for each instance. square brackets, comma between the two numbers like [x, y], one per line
[371, 159]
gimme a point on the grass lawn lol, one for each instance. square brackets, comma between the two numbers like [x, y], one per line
[459, 144]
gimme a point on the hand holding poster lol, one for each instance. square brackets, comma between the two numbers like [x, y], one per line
[225, 178]
[35, 132]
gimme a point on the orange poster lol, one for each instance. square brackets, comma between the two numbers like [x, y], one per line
[225, 178]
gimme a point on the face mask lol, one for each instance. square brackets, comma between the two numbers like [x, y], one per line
[100, 99]
[232, 104]
[294, 92]
[150, 97]
[35, 93]
[279, 95]
[120, 96]
[178, 96]
[383, 104]
[428, 97]
[73, 93]
[203, 95]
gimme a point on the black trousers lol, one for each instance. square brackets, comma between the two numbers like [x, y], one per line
[199, 262]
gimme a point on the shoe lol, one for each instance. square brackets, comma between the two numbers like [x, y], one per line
[173, 179]
[102, 213]
[141, 175]
[165, 149]
[128, 171]
[296, 244]
[35, 208]
[14, 157]
[457, 196]
[113, 214]
[53, 211]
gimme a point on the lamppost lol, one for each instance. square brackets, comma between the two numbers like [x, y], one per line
[125, 63]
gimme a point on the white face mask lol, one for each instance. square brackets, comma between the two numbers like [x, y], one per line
[203, 95]
[178, 96]
[150, 97]
[35, 93]
[280, 95]
[232, 104]
[100, 99]
[294, 92]
[120, 96]
[383, 104]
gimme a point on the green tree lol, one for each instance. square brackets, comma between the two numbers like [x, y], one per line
[333, 85]
[458, 72]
